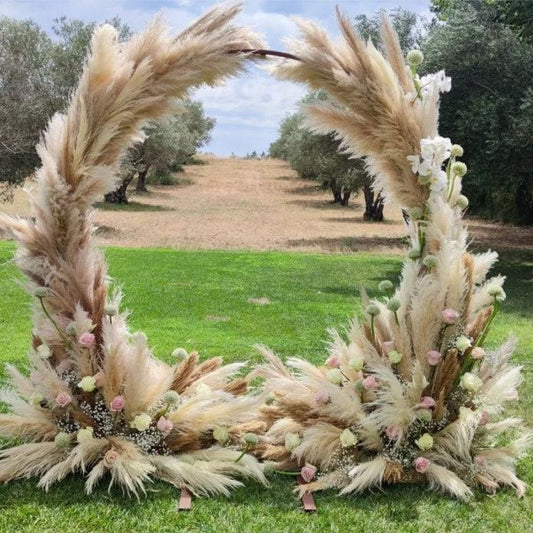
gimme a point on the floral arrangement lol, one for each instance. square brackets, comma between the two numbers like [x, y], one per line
[413, 396]
[96, 400]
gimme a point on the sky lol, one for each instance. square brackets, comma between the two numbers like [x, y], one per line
[247, 109]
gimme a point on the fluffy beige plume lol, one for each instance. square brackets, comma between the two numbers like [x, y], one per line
[369, 109]
[412, 396]
[96, 396]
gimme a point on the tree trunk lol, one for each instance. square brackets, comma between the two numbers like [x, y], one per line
[337, 192]
[373, 205]
[346, 197]
[141, 180]
[118, 196]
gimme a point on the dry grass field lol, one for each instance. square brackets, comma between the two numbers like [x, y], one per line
[258, 205]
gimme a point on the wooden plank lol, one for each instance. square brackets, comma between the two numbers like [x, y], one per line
[185, 502]
[308, 501]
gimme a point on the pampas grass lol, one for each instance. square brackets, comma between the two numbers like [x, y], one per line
[411, 396]
[97, 402]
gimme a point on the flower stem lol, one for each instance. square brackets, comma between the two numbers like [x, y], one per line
[54, 323]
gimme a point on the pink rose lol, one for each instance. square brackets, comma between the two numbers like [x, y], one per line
[117, 403]
[87, 339]
[322, 397]
[449, 316]
[387, 346]
[484, 418]
[110, 458]
[480, 460]
[433, 357]
[164, 425]
[370, 383]
[333, 361]
[63, 399]
[308, 472]
[422, 464]
[427, 402]
[477, 353]
[393, 432]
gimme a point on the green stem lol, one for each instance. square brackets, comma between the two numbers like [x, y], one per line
[372, 327]
[396, 318]
[481, 339]
[54, 323]
[242, 454]
[284, 473]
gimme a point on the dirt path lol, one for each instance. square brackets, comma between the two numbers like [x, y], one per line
[262, 205]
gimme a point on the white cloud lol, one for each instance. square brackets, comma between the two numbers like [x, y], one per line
[247, 109]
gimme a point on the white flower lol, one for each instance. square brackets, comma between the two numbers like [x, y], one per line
[415, 162]
[347, 438]
[141, 422]
[334, 376]
[425, 442]
[395, 357]
[292, 441]
[203, 390]
[87, 384]
[85, 434]
[437, 82]
[471, 382]
[356, 363]
[221, 434]
[462, 343]
[43, 351]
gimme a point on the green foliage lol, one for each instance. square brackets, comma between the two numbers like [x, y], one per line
[403, 21]
[170, 143]
[309, 293]
[37, 75]
[489, 110]
[317, 157]
[26, 98]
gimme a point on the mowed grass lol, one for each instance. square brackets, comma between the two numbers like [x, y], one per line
[199, 300]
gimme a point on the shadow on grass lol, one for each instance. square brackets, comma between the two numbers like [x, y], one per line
[320, 203]
[131, 206]
[352, 244]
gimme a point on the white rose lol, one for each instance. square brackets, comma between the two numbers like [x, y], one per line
[347, 438]
[87, 384]
[471, 382]
[85, 434]
[141, 422]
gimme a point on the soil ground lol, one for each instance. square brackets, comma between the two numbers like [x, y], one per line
[259, 204]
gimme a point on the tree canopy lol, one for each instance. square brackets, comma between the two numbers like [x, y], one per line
[489, 110]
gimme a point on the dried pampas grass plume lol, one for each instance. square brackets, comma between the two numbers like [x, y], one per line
[96, 400]
[412, 396]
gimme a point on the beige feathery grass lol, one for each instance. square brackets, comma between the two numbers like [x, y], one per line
[96, 397]
[383, 408]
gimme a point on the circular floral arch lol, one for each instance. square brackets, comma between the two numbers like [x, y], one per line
[410, 396]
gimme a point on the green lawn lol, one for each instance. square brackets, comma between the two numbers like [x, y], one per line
[199, 300]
